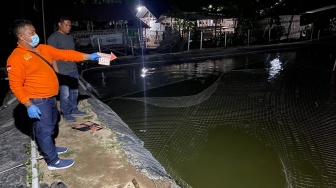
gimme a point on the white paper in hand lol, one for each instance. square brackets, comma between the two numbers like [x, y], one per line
[105, 58]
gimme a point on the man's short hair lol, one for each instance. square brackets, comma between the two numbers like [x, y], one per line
[18, 25]
[63, 18]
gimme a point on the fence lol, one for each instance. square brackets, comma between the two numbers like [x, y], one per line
[285, 29]
[199, 39]
[125, 41]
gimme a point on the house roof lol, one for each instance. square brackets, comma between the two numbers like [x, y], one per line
[193, 16]
[142, 12]
[321, 9]
[318, 14]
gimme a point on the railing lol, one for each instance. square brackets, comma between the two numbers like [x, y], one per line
[165, 41]
[200, 39]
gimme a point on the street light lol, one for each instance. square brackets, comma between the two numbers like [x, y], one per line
[139, 8]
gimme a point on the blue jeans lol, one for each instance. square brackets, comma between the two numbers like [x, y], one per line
[69, 96]
[44, 128]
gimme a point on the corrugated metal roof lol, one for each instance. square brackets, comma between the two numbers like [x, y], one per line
[193, 16]
[322, 9]
[324, 13]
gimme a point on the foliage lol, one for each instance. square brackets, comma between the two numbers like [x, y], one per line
[324, 29]
[277, 32]
[332, 26]
[306, 32]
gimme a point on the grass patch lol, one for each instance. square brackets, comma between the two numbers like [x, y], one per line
[55, 176]
[68, 153]
[88, 117]
[111, 143]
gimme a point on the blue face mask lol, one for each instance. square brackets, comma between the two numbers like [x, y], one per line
[35, 40]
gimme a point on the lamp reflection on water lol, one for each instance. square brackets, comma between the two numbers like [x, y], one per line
[147, 71]
[276, 67]
[143, 72]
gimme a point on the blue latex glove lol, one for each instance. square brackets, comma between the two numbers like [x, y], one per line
[94, 56]
[34, 112]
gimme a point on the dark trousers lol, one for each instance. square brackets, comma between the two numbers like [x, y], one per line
[45, 127]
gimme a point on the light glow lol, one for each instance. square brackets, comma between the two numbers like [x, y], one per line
[143, 72]
[276, 67]
[139, 8]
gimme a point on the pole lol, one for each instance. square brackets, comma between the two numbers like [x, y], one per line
[216, 29]
[248, 37]
[201, 40]
[43, 23]
[98, 43]
[132, 46]
[139, 37]
[225, 39]
[35, 181]
[145, 38]
[188, 40]
[125, 36]
[312, 31]
[33, 158]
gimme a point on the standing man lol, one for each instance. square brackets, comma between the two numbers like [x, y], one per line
[62, 39]
[35, 84]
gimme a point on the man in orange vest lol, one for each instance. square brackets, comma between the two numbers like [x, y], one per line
[35, 84]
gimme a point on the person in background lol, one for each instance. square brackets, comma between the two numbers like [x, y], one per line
[68, 94]
[35, 84]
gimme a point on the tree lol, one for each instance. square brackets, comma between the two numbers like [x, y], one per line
[247, 13]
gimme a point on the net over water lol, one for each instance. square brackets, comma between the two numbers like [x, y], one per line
[281, 103]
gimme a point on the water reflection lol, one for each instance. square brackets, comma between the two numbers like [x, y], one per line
[238, 123]
[180, 127]
[115, 81]
[276, 67]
